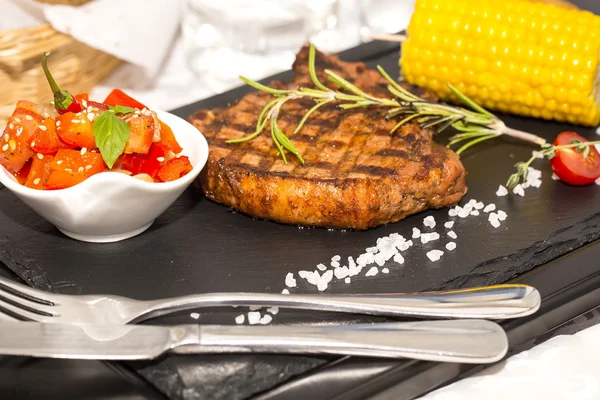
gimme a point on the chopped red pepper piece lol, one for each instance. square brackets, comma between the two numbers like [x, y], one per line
[45, 140]
[70, 167]
[14, 143]
[174, 169]
[154, 160]
[167, 138]
[141, 134]
[63, 100]
[76, 130]
[119, 98]
[39, 172]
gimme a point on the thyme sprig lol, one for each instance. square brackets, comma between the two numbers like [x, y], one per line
[474, 124]
[547, 151]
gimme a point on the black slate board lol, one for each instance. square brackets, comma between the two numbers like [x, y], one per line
[198, 246]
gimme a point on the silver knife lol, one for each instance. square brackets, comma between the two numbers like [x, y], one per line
[465, 341]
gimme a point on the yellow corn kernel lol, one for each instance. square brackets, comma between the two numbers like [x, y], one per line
[529, 58]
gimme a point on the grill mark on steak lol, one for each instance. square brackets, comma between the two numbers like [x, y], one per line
[356, 174]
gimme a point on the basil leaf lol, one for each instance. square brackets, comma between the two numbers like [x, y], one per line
[121, 109]
[111, 134]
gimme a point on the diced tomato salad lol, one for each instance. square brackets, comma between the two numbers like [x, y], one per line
[49, 152]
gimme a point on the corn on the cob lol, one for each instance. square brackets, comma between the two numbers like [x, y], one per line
[515, 56]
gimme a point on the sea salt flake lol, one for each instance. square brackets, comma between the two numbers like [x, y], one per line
[322, 267]
[365, 259]
[495, 223]
[405, 245]
[489, 208]
[385, 271]
[347, 280]
[336, 258]
[285, 291]
[502, 191]
[519, 190]
[379, 259]
[290, 281]
[452, 212]
[371, 250]
[452, 234]
[556, 178]
[475, 213]
[449, 224]
[324, 280]
[434, 255]
[341, 273]
[253, 317]
[240, 319]
[429, 222]
[416, 233]
[372, 272]
[266, 319]
[501, 215]
[195, 315]
[273, 310]
[450, 246]
[479, 205]
[398, 258]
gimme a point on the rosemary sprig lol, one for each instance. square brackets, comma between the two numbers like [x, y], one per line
[474, 123]
[548, 151]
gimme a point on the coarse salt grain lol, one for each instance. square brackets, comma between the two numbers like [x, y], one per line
[322, 267]
[285, 291]
[429, 237]
[324, 280]
[429, 222]
[452, 234]
[450, 246]
[416, 233]
[336, 258]
[273, 310]
[371, 250]
[434, 255]
[398, 258]
[519, 190]
[240, 319]
[347, 280]
[289, 280]
[253, 317]
[449, 224]
[598, 181]
[341, 273]
[537, 154]
[335, 264]
[489, 208]
[36, 181]
[372, 272]
[43, 128]
[501, 215]
[502, 191]
[452, 212]
[29, 117]
[475, 213]
[555, 177]
[266, 319]
[195, 315]
[254, 308]
[495, 223]
[385, 271]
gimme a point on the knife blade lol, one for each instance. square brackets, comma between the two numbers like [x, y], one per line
[467, 341]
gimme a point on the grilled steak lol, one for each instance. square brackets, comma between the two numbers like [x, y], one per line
[355, 175]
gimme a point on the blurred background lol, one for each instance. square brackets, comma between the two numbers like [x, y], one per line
[168, 53]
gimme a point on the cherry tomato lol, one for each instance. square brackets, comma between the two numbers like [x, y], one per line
[570, 165]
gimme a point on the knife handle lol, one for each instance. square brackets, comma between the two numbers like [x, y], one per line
[464, 341]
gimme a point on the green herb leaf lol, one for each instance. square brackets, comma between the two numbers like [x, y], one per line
[111, 134]
[575, 141]
[121, 109]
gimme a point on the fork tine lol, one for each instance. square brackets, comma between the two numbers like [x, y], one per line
[25, 314]
[25, 292]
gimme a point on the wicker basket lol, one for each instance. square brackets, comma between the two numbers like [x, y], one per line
[75, 66]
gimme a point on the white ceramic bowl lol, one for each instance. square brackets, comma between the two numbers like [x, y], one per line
[112, 206]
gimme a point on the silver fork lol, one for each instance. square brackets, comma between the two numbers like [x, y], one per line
[492, 302]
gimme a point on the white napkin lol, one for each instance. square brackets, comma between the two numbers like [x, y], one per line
[140, 32]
